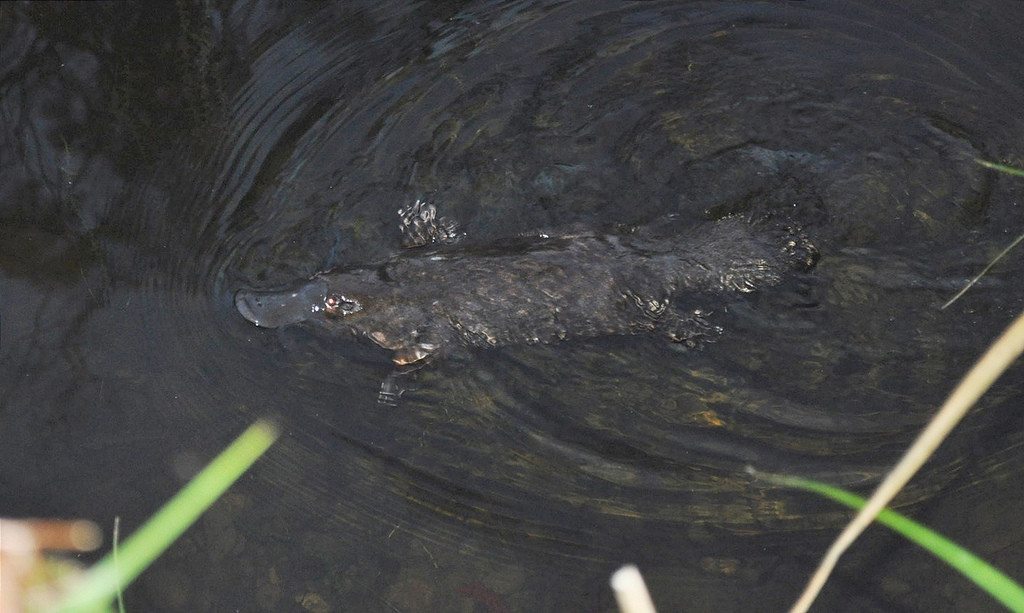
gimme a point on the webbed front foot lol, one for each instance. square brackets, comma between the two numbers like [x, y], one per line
[391, 390]
[652, 307]
[690, 328]
[407, 359]
[421, 226]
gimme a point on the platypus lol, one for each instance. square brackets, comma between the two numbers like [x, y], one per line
[436, 297]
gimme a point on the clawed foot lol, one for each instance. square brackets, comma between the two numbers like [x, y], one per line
[692, 328]
[421, 226]
[391, 390]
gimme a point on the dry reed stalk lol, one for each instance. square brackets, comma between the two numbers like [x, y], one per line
[630, 591]
[996, 360]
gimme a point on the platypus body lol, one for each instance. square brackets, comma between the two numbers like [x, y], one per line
[425, 302]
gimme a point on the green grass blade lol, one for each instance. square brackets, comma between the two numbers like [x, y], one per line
[1010, 170]
[102, 581]
[987, 577]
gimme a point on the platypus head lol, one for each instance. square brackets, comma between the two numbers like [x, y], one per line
[326, 299]
[359, 302]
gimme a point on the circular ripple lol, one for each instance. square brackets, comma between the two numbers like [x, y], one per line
[524, 117]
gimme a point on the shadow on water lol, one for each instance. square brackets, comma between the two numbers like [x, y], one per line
[154, 161]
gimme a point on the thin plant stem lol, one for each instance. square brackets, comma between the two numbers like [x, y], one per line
[992, 364]
[983, 272]
[630, 591]
[117, 568]
[1010, 170]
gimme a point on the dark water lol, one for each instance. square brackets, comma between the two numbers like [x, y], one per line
[153, 160]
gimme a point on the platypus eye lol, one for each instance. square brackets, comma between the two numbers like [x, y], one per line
[336, 304]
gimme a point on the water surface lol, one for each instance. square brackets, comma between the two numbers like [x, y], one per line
[152, 162]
